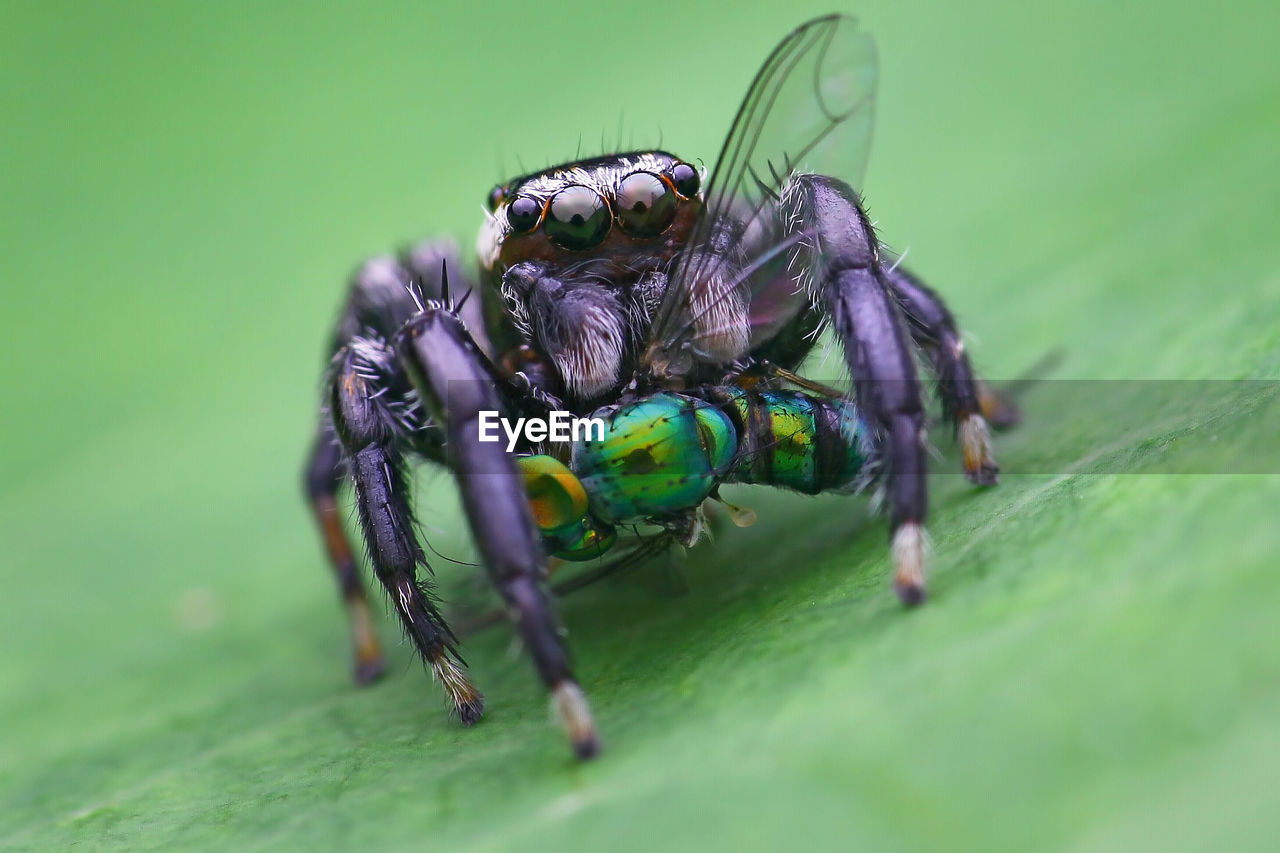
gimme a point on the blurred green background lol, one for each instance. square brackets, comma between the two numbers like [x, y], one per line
[183, 187]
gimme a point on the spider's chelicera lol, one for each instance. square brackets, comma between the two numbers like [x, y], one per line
[674, 308]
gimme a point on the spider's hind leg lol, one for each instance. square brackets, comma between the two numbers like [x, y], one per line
[324, 474]
[964, 399]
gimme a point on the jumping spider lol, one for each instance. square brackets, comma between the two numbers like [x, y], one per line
[678, 311]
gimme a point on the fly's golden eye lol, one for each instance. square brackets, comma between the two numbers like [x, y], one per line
[578, 218]
[686, 179]
[523, 213]
[497, 196]
[646, 204]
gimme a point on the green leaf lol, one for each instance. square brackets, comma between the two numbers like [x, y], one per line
[186, 185]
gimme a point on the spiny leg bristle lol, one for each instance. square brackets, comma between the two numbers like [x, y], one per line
[975, 442]
[908, 551]
[468, 702]
[569, 704]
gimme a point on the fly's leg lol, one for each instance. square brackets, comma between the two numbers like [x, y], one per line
[366, 385]
[850, 284]
[325, 473]
[456, 383]
[962, 393]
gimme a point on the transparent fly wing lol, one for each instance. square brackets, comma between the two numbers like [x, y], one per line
[810, 109]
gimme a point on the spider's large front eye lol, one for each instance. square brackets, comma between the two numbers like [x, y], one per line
[578, 218]
[524, 213]
[646, 205]
[686, 179]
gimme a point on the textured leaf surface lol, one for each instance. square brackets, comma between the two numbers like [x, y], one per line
[184, 188]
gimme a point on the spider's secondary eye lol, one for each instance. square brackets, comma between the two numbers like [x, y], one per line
[686, 179]
[646, 205]
[578, 218]
[524, 213]
[496, 196]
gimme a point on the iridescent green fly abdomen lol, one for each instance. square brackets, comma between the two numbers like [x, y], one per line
[662, 456]
[797, 441]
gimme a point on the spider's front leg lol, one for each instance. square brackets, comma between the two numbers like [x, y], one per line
[378, 301]
[457, 384]
[367, 386]
[852, 287]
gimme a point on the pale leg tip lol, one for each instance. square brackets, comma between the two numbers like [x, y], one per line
[467, 701]
[470, 712]
[585, 750]
[569, 705]
[367, 672]
[908, 551]
[998, 411]
[980, 466]
[909, 594]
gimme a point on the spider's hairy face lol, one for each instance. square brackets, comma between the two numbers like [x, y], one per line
[580, 254]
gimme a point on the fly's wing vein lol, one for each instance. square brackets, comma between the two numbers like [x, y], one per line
[809, 109]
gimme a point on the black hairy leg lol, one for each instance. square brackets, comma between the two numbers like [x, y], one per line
[324, 474]
[379, 299]
[372, 433]
[851, 284]
[456, 383]
[934, 329]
